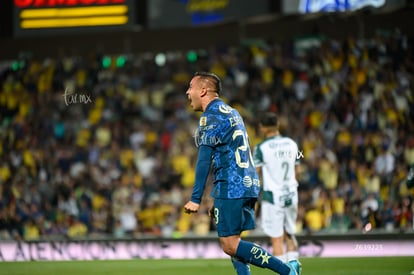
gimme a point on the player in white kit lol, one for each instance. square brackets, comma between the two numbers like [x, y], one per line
[276, 159]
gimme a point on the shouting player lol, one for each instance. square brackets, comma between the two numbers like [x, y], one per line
[223, 144]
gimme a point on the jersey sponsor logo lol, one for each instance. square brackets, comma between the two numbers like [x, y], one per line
[283, 150]
[279, 144]
[286, 155]
[248, 182]
[225, 109]
[209, 127]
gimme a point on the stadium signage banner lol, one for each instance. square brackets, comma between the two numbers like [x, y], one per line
[310, 6]
[185, 13]
[37, 16]
[186, 249]
[62, 3]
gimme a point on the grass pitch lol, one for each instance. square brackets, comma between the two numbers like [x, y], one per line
[311, 266]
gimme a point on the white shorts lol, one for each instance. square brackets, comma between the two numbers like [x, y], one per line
[276, 217]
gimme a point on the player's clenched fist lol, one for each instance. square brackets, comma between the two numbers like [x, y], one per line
[191, 207]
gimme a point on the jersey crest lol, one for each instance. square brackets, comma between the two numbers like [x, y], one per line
[203, 121]
[225, 109]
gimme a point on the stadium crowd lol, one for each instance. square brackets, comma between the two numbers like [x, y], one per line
[96, 146]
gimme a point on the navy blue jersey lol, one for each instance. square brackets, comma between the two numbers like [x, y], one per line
[222, 128]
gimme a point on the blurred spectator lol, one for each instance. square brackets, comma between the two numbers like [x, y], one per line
[314, 220]
[76, 228]
[4, 223]
[30, 230]
[338, 210]
[386, 216]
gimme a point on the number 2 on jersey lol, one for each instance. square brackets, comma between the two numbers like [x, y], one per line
[285, 167]
[242, 148]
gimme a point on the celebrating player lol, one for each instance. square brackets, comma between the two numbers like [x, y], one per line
[223, 143]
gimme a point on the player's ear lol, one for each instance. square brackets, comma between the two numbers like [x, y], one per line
[203, 91]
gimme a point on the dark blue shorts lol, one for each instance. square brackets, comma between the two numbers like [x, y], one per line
[233, 216]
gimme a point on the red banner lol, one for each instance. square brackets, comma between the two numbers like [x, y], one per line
[23, 4]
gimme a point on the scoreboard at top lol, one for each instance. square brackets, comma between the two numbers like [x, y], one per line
[33, 17]
[37, 16]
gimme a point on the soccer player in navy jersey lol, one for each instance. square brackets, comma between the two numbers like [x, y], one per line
[223, 144]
